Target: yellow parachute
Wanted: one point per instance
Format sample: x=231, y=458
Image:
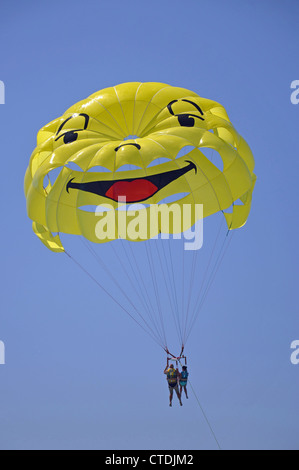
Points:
x=132, y=144
x=142, y=162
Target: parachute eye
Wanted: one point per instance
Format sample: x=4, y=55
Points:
x=186, y=120
x=70, y=137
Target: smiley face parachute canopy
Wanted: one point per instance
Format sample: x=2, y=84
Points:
x=132, y=144
x=136, y=124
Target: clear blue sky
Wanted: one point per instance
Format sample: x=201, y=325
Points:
x=79, y=373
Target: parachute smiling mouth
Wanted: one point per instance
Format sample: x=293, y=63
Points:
x=133, y=189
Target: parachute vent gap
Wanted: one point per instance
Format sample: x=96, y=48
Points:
x=98, y=169
x=173, y=198
x=132, y=207
x=159, y=161
x=213, y=156
x=230, y=209
x=238, y=202
x=128, y=167
x=73, y=166
x=131, y=137
x=185, y=151
x=46, y=181
x=51, y=177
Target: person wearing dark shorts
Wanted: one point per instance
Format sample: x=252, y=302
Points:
x=172, y=379
x=183, y=379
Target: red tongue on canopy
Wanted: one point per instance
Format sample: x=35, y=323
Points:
x=133, y=191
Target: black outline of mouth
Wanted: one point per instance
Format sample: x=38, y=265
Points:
x=160, y=181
